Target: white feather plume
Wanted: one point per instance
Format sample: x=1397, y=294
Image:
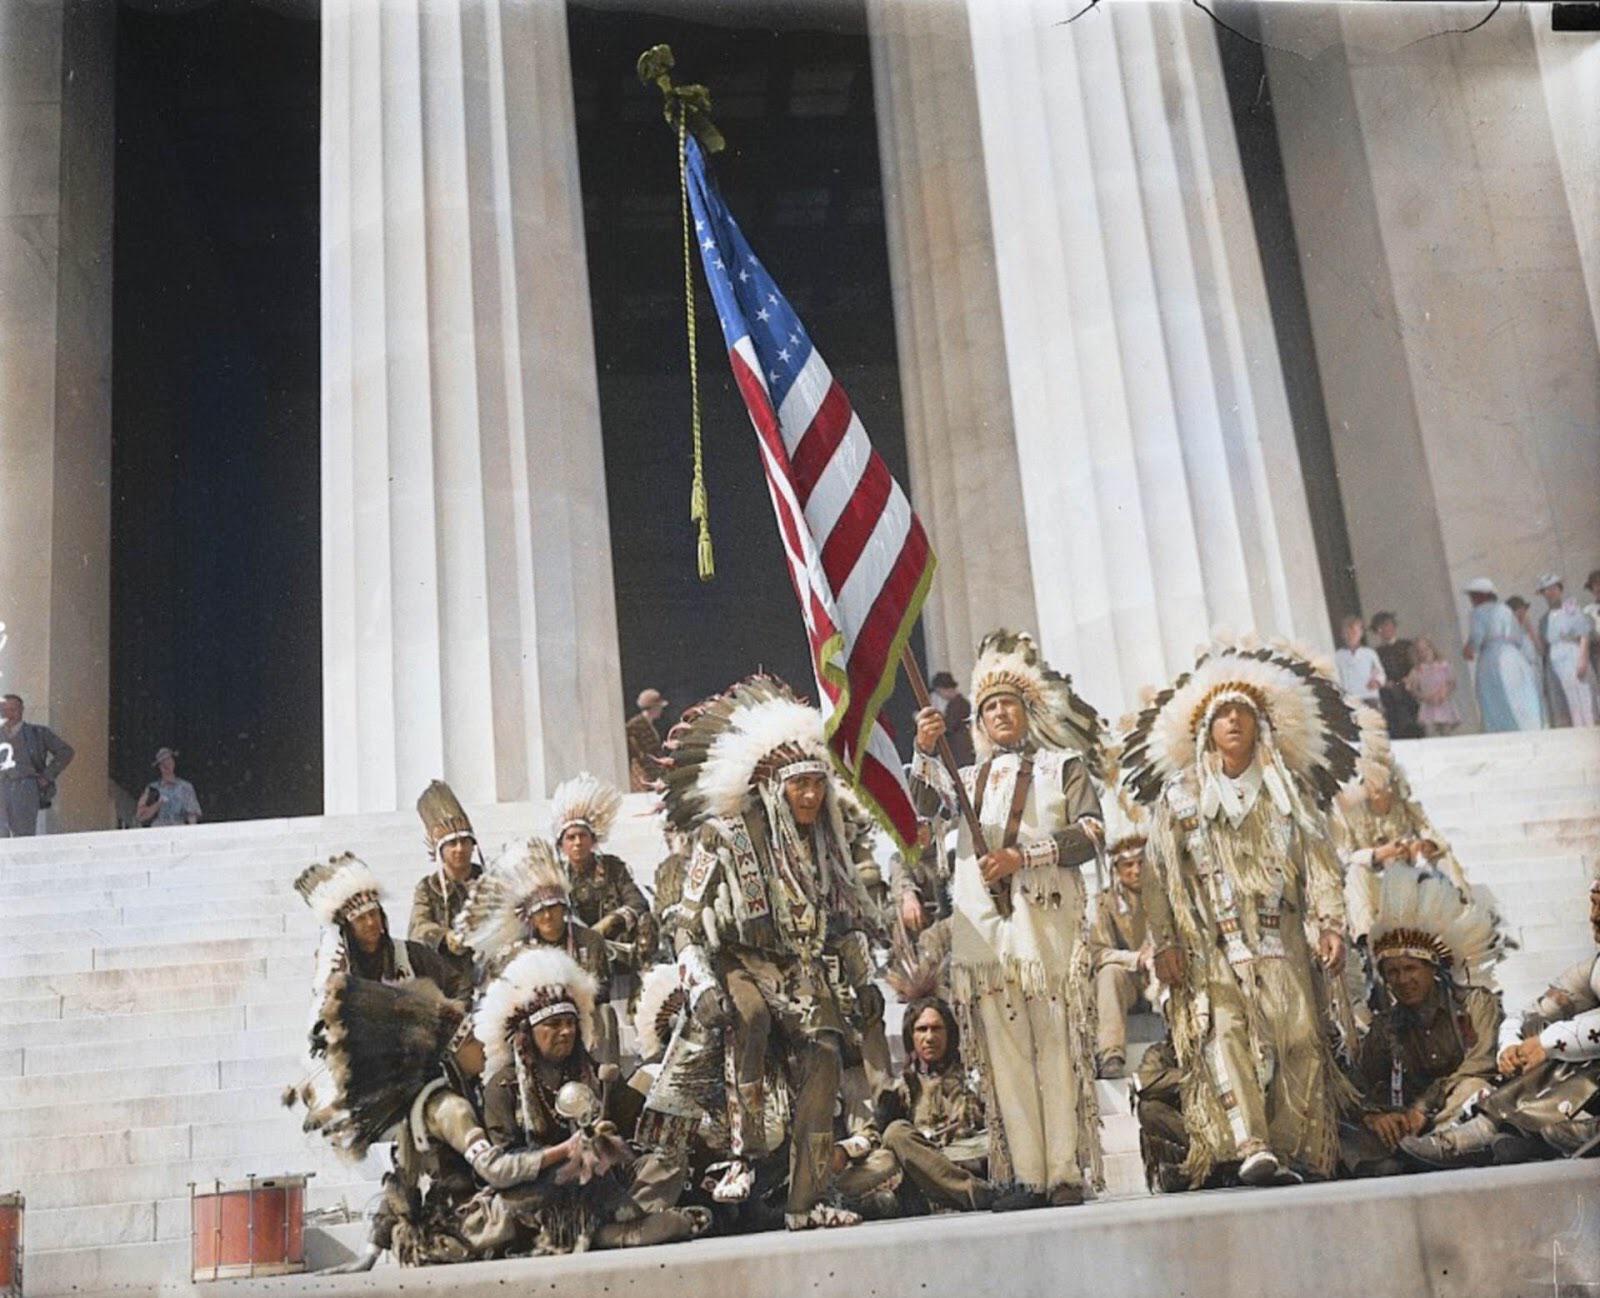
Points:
x=753, y=732
x=1423, y=908
x=538, y=975
x=493, y=918
x=329, y=886
x=661, y=996
x=584, y=799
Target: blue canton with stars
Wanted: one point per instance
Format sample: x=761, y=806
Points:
x=748, y=302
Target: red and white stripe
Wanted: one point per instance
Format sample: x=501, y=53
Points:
x=858, y=559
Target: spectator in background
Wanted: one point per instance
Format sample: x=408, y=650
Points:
x=1566, y=632
x=168, y=800
x=31, y=761
x=957, y=713
x=1399, y=707
x=1432, y=683
x=644, y=739
x=1592, y=611
x=1361, y=674
x=1500, y=651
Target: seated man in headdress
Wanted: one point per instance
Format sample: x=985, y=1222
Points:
x=344, y=895
x=406, y=1067
x=1431, y=1047
x=1119, y=941
x=1551, y=1107
x=603, y=892
x=771, y=935
x=1377, y=822
x=547, y=1099
x=932, y=1117
x=442, y=892
x=521, y=903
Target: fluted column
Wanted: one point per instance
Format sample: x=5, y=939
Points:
x=57, y=68
x=469, y=624
x=1152, y=452
x=1133, y=295
x=960, y=437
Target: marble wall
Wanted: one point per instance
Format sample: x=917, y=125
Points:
x=1444, y=201
x=56, y=63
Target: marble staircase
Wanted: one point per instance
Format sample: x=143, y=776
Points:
x=153, y=993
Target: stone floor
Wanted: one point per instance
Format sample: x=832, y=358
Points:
x=1510, y=1232
x=153, y=993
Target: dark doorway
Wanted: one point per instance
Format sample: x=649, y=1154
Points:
x=215, y=580
x=801, y=176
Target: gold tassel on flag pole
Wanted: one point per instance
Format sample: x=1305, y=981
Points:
x=688, y=108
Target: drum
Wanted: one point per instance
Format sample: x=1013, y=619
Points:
x=11, y=1245
x=248, y=1228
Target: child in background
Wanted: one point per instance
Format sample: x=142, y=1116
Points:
x=1432, y=683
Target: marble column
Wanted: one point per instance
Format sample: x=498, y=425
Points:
x=469, y=622
x=966, y=480
x=56, y=69
x=1160, y=486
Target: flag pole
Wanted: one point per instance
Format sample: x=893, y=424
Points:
x=980, y=847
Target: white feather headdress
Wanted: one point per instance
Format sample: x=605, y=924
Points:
x=1375, y=766
x=661, y=998
x=339, y=888
x=1127, y=823
x=1421, y=914
x=523, y=879
x=1010, y=663
x=757, y=732
x=1302, y=713
x=540, y=983
x=584, y=800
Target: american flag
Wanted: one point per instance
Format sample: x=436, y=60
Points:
x=858, y=557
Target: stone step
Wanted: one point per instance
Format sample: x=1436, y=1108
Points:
x=162, y=1265
x=30, y=1009
x=193, y=868
x=145, y=1221
x=112, y=982
x=85, y=1116
x=265, y=1128
x=118, y=958
x=158, y=1025
x=136, y=1083
x=98, y=1000
x=171, y=1180
x=1571, y=932
x=45, y=1061
x=173, y=933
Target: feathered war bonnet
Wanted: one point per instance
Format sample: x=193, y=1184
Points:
x=735, y=757
x=540, y=984
x=661, y=998
x=385, y=1042
x=1127, y=823
x=1421, y=914
x=1009, y=663
x=339, y=889
x=1306, y=731
x=752, y=738
x=525, y=878
x=1375, y=767
x=584, y=800
x=444, y=820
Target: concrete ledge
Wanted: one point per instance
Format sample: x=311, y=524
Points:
x=1496, y=1233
